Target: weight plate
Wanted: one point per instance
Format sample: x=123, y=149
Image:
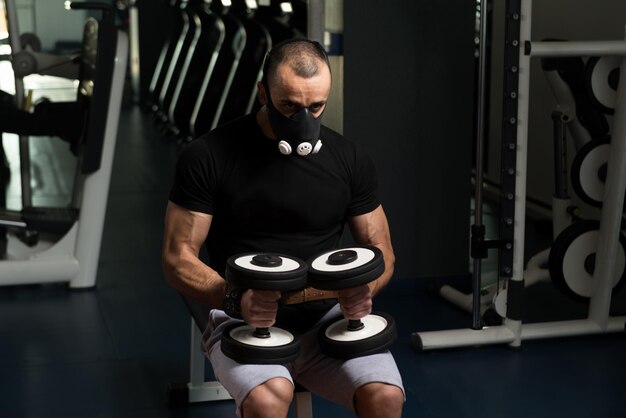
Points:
x=346, y=268
x=378, y=334
x=239, y=343
x=272, y=272
x=589, y=169
x=602, y=75
x=572, y=260
x=29, y=39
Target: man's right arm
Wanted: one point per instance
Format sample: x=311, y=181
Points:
x=185, y=233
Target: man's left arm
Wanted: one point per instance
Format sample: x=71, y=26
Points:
x=372, y=228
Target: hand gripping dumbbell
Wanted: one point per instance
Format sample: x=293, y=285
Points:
x=343, y=269
x=265, y=271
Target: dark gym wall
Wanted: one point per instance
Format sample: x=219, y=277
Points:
x=408, y=98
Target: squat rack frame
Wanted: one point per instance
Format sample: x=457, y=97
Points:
x=519, y=49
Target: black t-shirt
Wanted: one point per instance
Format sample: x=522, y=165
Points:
x=263, y=201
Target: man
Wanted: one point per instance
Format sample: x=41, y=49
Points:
x=278, y=181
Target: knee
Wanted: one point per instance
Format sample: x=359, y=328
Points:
x=274, y=395
x=379, y=397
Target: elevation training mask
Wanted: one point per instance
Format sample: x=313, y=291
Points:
x=300, y=131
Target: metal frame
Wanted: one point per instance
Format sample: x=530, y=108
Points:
x=598, y=321
x=74, y=257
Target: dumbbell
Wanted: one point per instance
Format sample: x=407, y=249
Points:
x=264, y=271
x=343, y=269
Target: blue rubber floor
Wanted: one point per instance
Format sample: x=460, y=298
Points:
x=111, y=351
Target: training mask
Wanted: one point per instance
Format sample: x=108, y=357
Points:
x=300, y=131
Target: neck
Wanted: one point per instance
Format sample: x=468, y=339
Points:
x=263, y=121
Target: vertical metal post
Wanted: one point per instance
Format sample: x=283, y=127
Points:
x=516, y=282
x=611, y=216
x=478, y=202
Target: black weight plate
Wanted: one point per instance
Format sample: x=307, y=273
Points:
x=29, y=39
x=570, y=261
x=373, y=344
x=325, y=274
x=252, y=354
x=242, y=272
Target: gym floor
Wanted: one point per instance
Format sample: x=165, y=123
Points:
x=111, y=351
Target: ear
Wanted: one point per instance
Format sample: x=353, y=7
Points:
x=262, y=93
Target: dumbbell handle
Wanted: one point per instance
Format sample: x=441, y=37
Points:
x=262, y=333
x=355, y=325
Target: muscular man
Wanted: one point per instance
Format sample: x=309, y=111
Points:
x=278, y=181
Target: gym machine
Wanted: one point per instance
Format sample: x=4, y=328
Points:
x=67, y=244
x=578, y=91
x=216, y=83
x=200, y=63
x=184, y=47
x=240, y=101
x=165, y=57
x=594, y=254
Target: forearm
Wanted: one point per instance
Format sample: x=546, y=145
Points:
x=184, y=235
x=372, y=229
x=388, y=255
x=194, y=279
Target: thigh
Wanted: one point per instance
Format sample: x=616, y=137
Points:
x=338, y=380
x=238, y=379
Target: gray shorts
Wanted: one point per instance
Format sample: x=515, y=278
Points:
x=332, y=379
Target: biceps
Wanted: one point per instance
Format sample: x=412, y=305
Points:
x=185, y=230
x=371, y=228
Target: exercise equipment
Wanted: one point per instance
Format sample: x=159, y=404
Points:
x=263, y=271
x=240, y=101
x=572, y=260
x=184, y=48
x=589, y=170
x=165, y=57
x=518, y=51
x=574, y=112
x=603, y=79
x=217, y=83
x=200, y=63
x=343, y=269
x=71, y=253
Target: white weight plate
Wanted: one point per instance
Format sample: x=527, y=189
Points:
x=373, y=325
x=499, y=303
x=600, y=86
x=364, y=256
x=591, y=184
x=288, y=264
x=245, y=334
x=576, y=277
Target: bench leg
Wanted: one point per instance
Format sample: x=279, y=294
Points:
x=304, y=405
